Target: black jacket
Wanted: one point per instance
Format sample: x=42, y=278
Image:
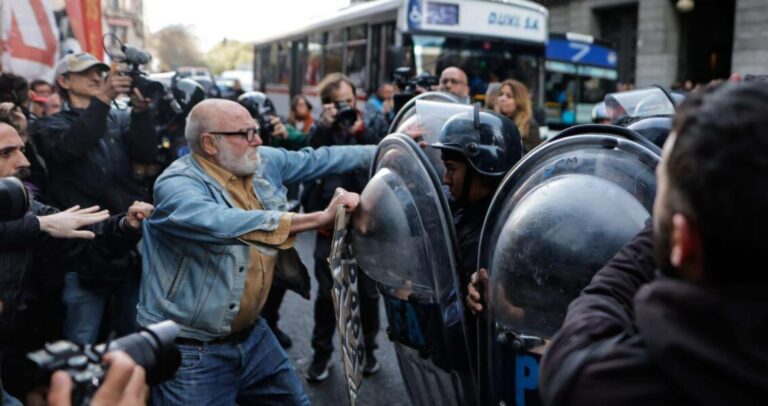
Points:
x=22, y=243
x=468, y=222
x=319, y=193
x=89, y=154
x=632, y=338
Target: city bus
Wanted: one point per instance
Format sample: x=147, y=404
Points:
x=490, y=41
x=580, y=71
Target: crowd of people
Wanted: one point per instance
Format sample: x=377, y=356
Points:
x=208, y=239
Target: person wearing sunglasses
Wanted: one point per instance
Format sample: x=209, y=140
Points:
x=221, y=225
x=454, y=81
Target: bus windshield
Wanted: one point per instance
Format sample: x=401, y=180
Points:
x=483, y=61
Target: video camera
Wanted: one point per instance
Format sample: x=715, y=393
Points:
x=153, y=348
x=409, y=87
x=135, y=57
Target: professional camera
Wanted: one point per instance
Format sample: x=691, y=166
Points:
x=153, y=348
x=345, y=115
x=409, y=87
x=136, y=57
x=14, y=200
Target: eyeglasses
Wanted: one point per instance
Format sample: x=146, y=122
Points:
x=249, y=134
x=451, y=80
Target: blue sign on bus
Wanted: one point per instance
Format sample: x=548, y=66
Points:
x=561, y=49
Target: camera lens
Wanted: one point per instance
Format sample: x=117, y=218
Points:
x=153, y=348
x=345, y=115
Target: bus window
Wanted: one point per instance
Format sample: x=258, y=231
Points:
x=271, y=71
x=284, y=63
x=356, y=60
x=334, y=53
x=314, y=62
x=483, y=61
x=560, y=93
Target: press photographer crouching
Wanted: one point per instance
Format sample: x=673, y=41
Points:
x=30, y=231
x=90, y=147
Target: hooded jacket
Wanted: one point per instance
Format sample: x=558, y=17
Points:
x=635, y=339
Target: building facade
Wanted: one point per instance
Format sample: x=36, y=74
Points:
x=125, y=19
x=664, y=42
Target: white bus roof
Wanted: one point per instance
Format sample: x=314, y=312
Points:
x=394, y=9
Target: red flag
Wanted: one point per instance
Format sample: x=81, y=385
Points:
x=85, y=19
x=30, y=38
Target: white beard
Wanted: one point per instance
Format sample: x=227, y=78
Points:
x=246, y=165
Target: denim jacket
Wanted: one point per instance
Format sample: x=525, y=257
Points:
x=194, y=268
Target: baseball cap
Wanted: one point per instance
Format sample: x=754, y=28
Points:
x=76, y=63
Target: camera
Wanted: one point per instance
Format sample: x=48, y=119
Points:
x=14, y=200
x=153, y=348
x=136, y=57
x=409, y=87
x=345, y=115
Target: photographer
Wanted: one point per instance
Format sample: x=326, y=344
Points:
x=89, y=147
x=14, y=92
x=45, y=238
x=340, y=124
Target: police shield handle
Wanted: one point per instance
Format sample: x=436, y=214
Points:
x=346, y=305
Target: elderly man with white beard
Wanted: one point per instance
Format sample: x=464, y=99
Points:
x=210, y=249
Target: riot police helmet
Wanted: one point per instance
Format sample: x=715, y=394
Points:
x=257, y=103
x=489, y=142
x=187, y=93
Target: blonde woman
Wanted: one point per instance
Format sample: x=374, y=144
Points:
x=514, y=102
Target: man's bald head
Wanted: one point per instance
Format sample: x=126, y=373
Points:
x=453, y=80
x=213, y=115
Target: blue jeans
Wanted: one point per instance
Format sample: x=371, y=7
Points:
x=85, y=308
x=9, y=400
x=255, y=371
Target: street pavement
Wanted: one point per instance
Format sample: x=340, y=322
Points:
x=296, y=319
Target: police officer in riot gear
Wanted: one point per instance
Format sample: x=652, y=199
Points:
x=478, y=149
x=185, y=93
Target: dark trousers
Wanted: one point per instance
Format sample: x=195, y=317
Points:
x=325, y=319
x=270, y=312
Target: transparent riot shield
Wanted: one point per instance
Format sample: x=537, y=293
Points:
x=555, y=220
x=403, y=237
x=408, y=109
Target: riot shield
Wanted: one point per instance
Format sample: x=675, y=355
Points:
x=555, y=220
x=403, y=237
x=409, y=109
x=631, y=105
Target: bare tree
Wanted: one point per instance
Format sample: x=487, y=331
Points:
x=175, y=46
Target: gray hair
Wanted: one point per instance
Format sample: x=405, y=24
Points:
x=194, y=129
